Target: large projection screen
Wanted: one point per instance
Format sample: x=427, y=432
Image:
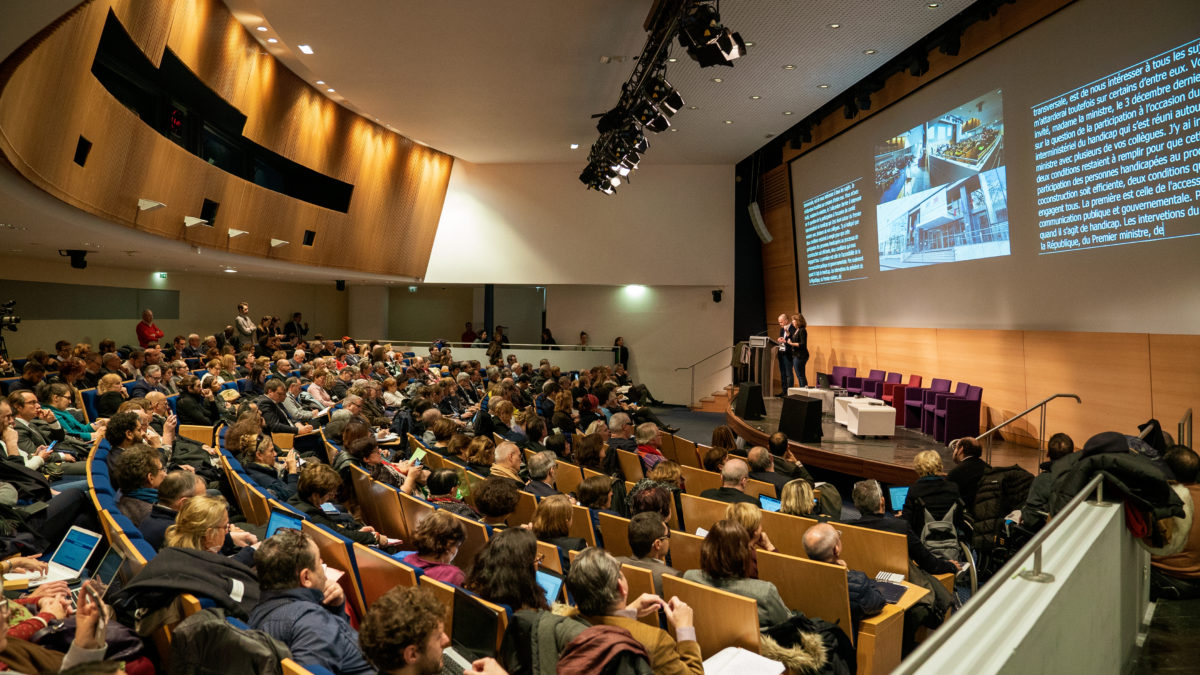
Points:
x=1052, y=183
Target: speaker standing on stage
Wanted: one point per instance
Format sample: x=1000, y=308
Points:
x=785, y=353
x=799, y=344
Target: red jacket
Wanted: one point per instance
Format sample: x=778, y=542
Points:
x=148, y=333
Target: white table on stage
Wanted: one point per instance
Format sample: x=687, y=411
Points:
x=841, y=407
x=870, y=417
x=826, y=396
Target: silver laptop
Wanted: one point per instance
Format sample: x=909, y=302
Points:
x=69, y=558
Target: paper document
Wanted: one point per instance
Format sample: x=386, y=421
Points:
x=738, y=661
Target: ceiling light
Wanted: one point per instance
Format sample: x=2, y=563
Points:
x=789, y=67
x=787, y=112
x=305, y=49
x=192, y=221
x=749, y=44
x=933, y=5
x=717, y=80
x=149, y=205
x=755, y=98
x=822, y=86
x=261, y=28
x=835, y=25
x=672, y=60
x=869, y=52
x=673, y=129
x=320, y=81
x=728, y=121
x=651, y=117
x=662, y=93
x=707, y=41
x=272, y=40
x=574, y=146
x=693, y=107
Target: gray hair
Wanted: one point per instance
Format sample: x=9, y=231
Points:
x=734, y=472
x=593, y=582
x=866, y=496
x=463, y=376
x=153, y=369
x=340, y=414
x=820, y=542
x=759, y=459
x=540, y=464
x=506, y=448
x=617, y=422
x=646, y=432
x=351, y=398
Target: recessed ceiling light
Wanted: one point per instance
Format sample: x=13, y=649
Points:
x=787, y=112
x=261, y=28
x=755, y=98
x=835, y=25
x=320, y=81
x=305, y=49
x=728, y=121
x=673, y=129
x=272, y=40
x=717, y=79
x=868, y=52
x=693, y=107
x=672, y=60
x=789, y=67
x=574, y=146
x=822, y=86
x=749, y=44
x=933, y=5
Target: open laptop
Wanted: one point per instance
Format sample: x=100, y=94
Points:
x=898, y=495
x=551, y=584
x=472, y=635
x=280, y=519
x=768, y=503
x=822, y=380
x=105, y=573
x=69, y=558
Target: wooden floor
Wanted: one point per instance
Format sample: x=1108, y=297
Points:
x=888, y=460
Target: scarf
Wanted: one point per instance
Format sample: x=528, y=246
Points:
x=144, y=494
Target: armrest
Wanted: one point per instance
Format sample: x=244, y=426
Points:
x=961, y=405
x=941, y=399
x=853, y=381
x=914, y=396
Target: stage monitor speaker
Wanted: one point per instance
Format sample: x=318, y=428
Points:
x=801, y=419
x=749, y=402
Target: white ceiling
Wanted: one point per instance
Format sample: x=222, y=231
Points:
x=500, y=82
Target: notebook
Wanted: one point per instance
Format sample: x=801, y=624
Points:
x=551, y=584
x=68, y=560
x=898, y=495
x=280, y=519
x=768, y=503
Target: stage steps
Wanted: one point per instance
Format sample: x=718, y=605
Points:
x=717, y=402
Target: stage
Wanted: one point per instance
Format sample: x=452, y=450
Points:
x=888, y=460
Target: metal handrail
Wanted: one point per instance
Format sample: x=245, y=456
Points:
x=987, y=435
x=692, y=368
x=1006, y=574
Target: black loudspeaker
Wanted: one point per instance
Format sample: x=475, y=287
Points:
x=341, y=284
x=749, y=402
x=801, y=419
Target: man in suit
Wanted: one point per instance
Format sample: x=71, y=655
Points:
x=275, y=417
x=762, y=467
x=650, y=540
x=734, y=475
x=971, y=467
x=151, y=381
x=601, y=595
x=36, y=429
x=543, y=469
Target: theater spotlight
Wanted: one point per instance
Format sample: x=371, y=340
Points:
x=78, y=257
x=707, y=41
x=662, y=93
x=649, y=116
x=612, y=120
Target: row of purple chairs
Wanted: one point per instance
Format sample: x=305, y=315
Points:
x=935, y=410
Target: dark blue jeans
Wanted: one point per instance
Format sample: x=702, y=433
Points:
x=785, y=370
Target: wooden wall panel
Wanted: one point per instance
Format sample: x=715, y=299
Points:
x=909, y=351
x=1109, y=371
x=820, y=352
x=1175, y=378
x=854, y=346
x=399, y=187
x=992, y=359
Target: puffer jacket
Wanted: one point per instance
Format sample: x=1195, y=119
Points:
x=315, y=634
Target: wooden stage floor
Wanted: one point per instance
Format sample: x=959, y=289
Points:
x=888, y=460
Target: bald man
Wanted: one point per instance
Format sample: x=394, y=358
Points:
x=823, y=543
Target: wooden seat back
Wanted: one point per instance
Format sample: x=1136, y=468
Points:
x=477, y=538
x=737, y=625
x=335, y=552
x=414, y=510
x=551, y=559
x=581, y=525
x=685, y=551
x=640, y=580
x=696, y=480
x=687, y=453
x=699, y=512
x=874, y=551
x=666, y=445
x=379, y=573
x=196, y=432
x=631, y=464
x=614, y=530
x=567, y=477
x=787, y=531
x=757, y=488
x=818, y=589
x=526, y=505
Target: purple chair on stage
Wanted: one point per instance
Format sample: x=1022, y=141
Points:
x=957, y=417
x=840, y=374
x=914, y=399
x=931, y=404
x=893, y=395
x=858, y=385
x=874, y=388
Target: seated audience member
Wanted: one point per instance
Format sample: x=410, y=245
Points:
x=443, y=431
x=798, y=499
x=84, y=649
x=823, y=543
x=1177, y=576
x=296, y=407
x=868, y=499
x=456, y=449
x=733, y=484
x=507, y=464
x=650, y=495
x=590, y=453
x=481, y=454
x=648, y=444
x=316, y=489
x=110, y=394
x=151, y=380
x=496, y=499
x=1037, y=504
x=596, y=493
x=404, y=633
x=122, y=431
x=36, y=430
x=714, y=459
x=560, y=445
x=762, y=468
x=786, y=462
x=300, y=608
x=138, y=473
x=258, y=459
x=723, y=437
x=750, y=517
x=543, y=470
x=552, y=524
x=202, y=524
x=32, y=373
x=59, y=399
x=275, y=417
x=968, y=454
x=173, y=492
x=535, y=434
x=443, y=490
x=601, y=596
x=932, y=495
x=437, y=539
x=366, y=455
x=620, y=433
x=650, y=542
x=724, y=559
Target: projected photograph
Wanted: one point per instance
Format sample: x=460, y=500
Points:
x=965, y=220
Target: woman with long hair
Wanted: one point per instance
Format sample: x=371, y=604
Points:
x=724, y=562
x=799, y=345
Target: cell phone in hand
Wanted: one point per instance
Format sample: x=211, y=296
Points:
x=50, y=448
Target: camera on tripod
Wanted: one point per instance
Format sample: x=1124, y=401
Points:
x=8, y=321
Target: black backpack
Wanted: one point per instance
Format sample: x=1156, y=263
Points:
x=201, y=645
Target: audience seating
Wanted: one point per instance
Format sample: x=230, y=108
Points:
x=414, y=510
x=737, y=625
x=666, y=445
x=640, y=580
x=196, y=432
x=526, y=505
x=685, y=550
x=696, y=481
x=631, y=464
x=615, y=532
x=567, y=477
x=957, y=417
x=581, y=525
x=89, y=404
x=930, y=404
x=379, y=573
x=914, y=399
x=687, y=453
x=551, y=556
x=699, y=512
x=335, y=552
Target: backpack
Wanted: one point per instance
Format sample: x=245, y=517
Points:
x=940, y=536
x=202, y=643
